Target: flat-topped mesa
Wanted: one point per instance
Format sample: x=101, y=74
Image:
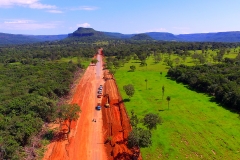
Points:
x=86, y=32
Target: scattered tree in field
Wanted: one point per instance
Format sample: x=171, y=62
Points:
x=139, y=137
x=168, y=99
x=94, y=61
x=69, y=112
x=169, y=62
x=133, y=138
x=146, y=82
x=143, y=63
x=145, y=137
x=163, y=90
x=129, y=89
x=151, y=120
x=132, y=68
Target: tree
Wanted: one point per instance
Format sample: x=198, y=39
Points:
x=134, y=119
x=94, y=61
x=163, y=90
x=151, y=120
x=129, y=89
x=168, y=99
x=177, y=60
x=132, y=68
x=109, y=65
x=139, y=137
x=116, y=63
x=157, y=57
x=146, y=82
x=133, y=138
x=145, y=138
x=69, y=112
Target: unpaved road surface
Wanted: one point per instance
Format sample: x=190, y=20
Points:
x=86, y=138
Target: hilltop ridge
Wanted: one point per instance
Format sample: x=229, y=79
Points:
x=91, y=34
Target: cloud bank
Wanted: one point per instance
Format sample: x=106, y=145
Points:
x=34, y=4
x=24, y=24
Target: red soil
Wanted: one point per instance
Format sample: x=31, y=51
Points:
x=85, y=140
x=118, y=125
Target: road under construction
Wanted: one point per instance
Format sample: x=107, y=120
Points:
x=97, y=134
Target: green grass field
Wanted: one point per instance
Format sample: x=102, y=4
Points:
x=193, y=127
x=83, y=60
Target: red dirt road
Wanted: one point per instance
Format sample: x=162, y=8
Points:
x=112, y=126
x=86, y=137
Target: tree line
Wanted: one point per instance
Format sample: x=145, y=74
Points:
x=220, y=80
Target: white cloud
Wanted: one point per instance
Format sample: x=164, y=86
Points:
x=85, y=25
x=23, y=24
x=17, y=22
x=55, y=11
x=157, y=30
x=35, y=4
x=86, y=8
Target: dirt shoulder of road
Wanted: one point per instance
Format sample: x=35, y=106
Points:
x=116, y=123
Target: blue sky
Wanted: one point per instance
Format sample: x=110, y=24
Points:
x=51, y=17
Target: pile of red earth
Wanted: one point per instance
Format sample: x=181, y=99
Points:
x=116, y=123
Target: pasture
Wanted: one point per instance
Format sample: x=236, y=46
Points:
x=193, y=127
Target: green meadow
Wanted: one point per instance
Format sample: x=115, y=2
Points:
x=193, y=127
x=83, y=60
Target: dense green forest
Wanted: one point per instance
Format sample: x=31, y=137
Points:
x=33, y=78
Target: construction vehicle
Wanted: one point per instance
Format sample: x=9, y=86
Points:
x=107, y=104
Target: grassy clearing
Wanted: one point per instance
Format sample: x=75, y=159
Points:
x=83, y=60
x=193, y=127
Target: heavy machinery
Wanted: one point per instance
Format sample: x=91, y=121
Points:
x=107, y=104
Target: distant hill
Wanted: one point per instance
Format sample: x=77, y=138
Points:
x=9, y=39
x=163, y=36
x=86, y=32
x=118, y=35
x=89, y=34
x=211, y=37
x=141, y=37
x=50, y=37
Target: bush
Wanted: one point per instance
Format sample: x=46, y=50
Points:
x=129, y=89
x=151, y=120
x=139, y=137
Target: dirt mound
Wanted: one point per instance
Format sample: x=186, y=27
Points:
x=116, y=122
